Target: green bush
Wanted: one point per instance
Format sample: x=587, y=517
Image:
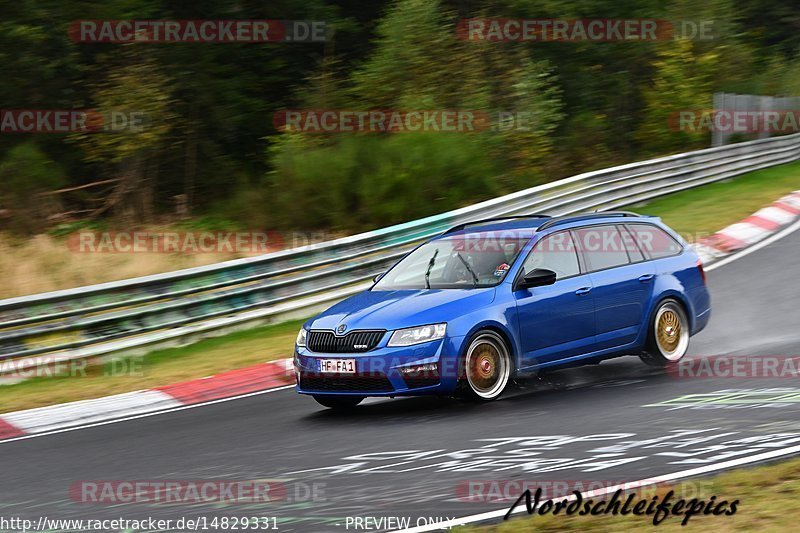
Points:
x=25, y=172
x=363, y=181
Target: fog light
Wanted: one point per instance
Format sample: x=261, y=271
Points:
x=420, y=375
x=419, y=369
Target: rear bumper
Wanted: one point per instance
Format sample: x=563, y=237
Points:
x=701, y=321
x=384, y=371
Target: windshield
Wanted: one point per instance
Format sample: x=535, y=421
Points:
x=457, y=262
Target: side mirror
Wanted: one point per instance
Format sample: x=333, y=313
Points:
x=378, y=277
x=537, y=277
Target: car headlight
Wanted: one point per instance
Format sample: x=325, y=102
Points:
x=301, y=338
x=409, y=336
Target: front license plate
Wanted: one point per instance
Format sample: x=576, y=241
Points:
x=338, y=366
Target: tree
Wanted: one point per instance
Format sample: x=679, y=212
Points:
x=681, y=83
x=134, y=105
x=26, y=172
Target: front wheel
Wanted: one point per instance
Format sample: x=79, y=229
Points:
x=668, y=335
x=487, y=367
x=340, y=403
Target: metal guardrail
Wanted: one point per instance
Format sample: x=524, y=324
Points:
x=179, y=307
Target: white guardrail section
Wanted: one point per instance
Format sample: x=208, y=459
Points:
x=135, y=315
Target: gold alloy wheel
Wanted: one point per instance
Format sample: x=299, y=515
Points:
x=671, y=333
x=669, y=329
x=487, y=366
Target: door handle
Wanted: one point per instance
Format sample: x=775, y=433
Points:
x=646, y=278
x=583, y=290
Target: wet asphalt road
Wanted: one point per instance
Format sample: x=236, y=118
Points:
x=418, y=458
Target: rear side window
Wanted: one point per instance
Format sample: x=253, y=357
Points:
x=602, y=247
x=654, y=241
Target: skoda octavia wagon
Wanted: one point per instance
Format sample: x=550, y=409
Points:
x=495, y=300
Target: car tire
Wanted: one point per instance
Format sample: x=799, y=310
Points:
x=339, y=403
x=667, y=334
x=486, y=367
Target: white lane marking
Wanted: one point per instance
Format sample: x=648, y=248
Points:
x=490, y=515
x=145, y=415
x=766, y=242
x=59, y=416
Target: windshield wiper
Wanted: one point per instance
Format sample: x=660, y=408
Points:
x=469, y=269
x=430, y=267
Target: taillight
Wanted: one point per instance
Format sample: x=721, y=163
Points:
x=702, y=270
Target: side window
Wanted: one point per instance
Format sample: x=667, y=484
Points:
x=634, y=253
x=555, y=252
x=654, y=241
x=601, y=247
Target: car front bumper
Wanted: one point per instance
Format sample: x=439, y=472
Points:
x=384, y=371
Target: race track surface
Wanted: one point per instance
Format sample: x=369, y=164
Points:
x=414, y=458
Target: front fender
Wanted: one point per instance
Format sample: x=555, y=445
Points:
x=501, y=317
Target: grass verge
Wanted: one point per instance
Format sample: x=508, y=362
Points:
x=694, y=211
x=768, y=501
x=709, y=208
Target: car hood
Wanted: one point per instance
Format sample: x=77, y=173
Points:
x=402, y=308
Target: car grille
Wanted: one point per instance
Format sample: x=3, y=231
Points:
x=354, y=342
x=357, y=382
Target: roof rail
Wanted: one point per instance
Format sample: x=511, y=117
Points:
x=585, y=216
x=510, y=217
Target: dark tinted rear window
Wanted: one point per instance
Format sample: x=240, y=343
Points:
x=655, y=242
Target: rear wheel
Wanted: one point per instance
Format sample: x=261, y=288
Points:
x=668, y=335
x=487, y=367
x=340, y=403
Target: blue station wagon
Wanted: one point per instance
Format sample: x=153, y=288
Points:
x=491, y=301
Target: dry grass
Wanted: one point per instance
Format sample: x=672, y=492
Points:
x=44, y=263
